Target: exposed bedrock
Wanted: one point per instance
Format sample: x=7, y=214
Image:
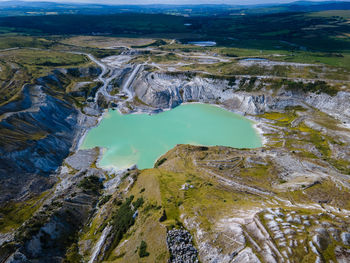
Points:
x=46, y=236
x=337, y=106
x=165, y=90
x=37, y=132
x=179, y=242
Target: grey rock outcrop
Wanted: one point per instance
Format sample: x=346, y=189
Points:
x=36, y=140
x=345, y=237
x=179, y=242
x=46, y=236
x=168, y=90
x=38, y=132
x=17, y=257
x=337, y=106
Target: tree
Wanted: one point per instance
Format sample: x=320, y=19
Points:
x=142, y=251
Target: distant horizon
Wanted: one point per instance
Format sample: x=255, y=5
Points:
x=177, y=2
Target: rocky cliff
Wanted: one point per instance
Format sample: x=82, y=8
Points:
x=38, y=131
x=167, y=90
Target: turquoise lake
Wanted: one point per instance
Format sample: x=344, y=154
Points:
x=141, y=138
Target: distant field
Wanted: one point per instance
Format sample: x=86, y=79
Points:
x=340, y=60
x=330, y=13
x=322, y=31
x=7, y=41
x=30, y=58
x=106, y=42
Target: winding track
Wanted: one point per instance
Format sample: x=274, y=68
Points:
x=106, y=80
x=130, y=80
x=108, y=74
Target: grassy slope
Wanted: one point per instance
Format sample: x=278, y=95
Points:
x=147, y=226
x=14, y=214
x=295, y=138
x=208, y=200
x=21, y=66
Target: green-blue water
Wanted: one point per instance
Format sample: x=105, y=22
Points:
x=141, y=138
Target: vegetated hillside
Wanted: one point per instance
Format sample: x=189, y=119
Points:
x=104, y=24
x=314, y=32
x=23, y=8
x=39, y=115
x=298, y=6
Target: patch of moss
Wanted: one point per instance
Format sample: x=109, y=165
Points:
x=143, y=249
x=72, y=255
x=91, y=183
x=160, y=162
x=14, y=214
x=104, y=199
x=121, y=222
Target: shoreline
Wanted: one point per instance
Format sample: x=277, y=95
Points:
x=260, y=133
x=114, y=169
x=86, y=130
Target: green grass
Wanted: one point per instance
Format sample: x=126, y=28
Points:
x=341, y=60
x=26, y=65
x=169, y=186
x=91, y=183
x=45, y=58
x=332, y=13
x=72, y=255
x=208, y=200
x=332, y=66
x=167, y=58
x=281, y=118
x=144, y=196
x=334, y=59
x=24, y=41
x=295, y=137
x=14, y=214
x=276, y=33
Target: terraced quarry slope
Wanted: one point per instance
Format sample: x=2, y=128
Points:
x=269, y=204
x=285, y=202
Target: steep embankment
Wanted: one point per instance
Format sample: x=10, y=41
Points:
x=167, y=90
x=46, y=236
x=38, y=131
